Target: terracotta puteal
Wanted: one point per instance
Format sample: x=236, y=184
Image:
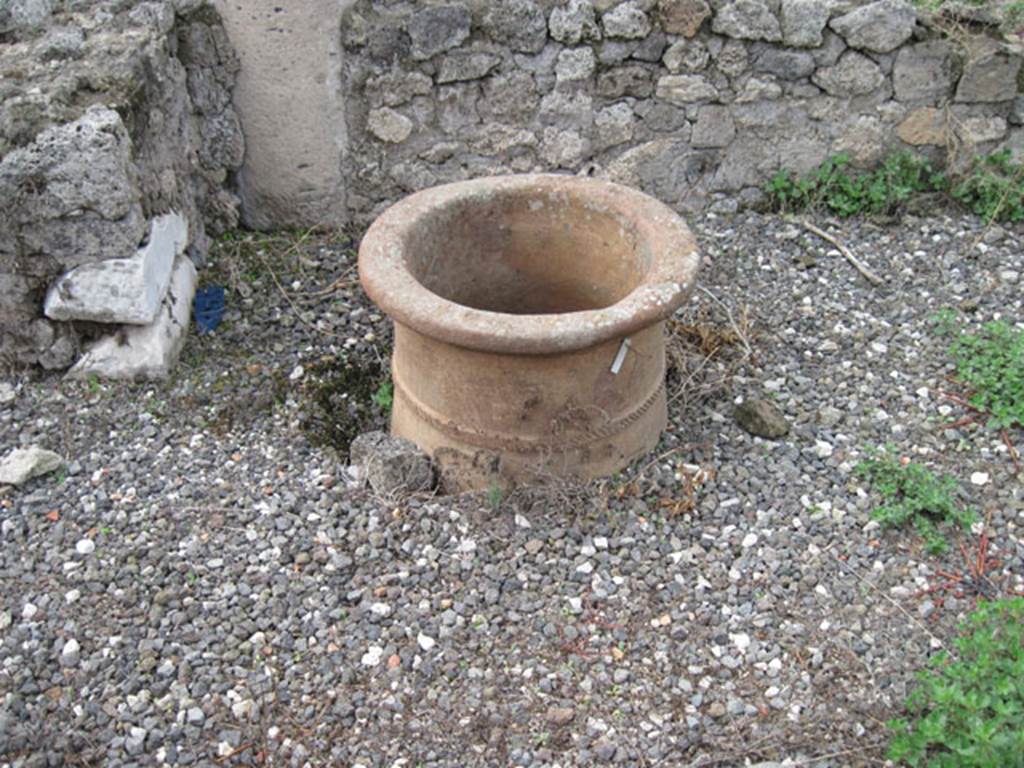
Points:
x=529, y=316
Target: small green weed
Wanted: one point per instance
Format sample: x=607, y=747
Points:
x=495, y=495
x=994, y=189
x=990, y=361
x=384, y=397
x=970, y=711
x=833, y=187
x=913, y=494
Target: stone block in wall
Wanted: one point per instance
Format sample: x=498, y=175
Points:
x=396, y=87
x=651, y=47
x=682, y=17
x=659, y=117
x=685, y=89
x=747, y=20
x=924, y=73
x=438, y=28
x=980, y=129
x=73, y=191
x=714, y=127
x=686, y=56
x=388, y=125
x=122, y=290
x=1015, y=144
x=668, y=169
x=613, y=126
x=563, y=109
x=574, y=65
x=803, y=21
x=519, y=24
x=865, y=139
x=457, y=107
x=563, y=148
x=732, y=59
x=990, y=72
x=853, y=75
x=1017, y=111
x=574, y=23
x=461, y=66
x=627, y=21
x=636, y=81
x=879, y=27
x=758, y=88
x=24, y=16
x=785, y=64
x=926, y=126
x=510, y=97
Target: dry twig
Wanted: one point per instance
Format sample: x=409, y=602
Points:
x=860, y=266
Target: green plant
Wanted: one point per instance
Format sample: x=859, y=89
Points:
x=969, y=710
x=994, y=188
x=384, y=397
x=991, y=362
x=913, y=494
x=495, y=494
x=833, y=187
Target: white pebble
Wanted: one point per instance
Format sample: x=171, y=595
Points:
x=85, y=547
x=372, y=656
x=29, y=611
x=426, y=642
x=749, y=540
x=741, y=640
x=822, y=449
x=979, y=478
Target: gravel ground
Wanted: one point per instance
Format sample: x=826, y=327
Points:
x=203, y=586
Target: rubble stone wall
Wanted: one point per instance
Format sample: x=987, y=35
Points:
x=698, y=102
x=113, y=113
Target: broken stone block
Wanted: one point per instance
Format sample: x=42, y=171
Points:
x=146, y=351
x=122, y=290
x=393, y=466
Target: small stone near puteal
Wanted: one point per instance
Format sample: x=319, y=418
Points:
x=761, y=418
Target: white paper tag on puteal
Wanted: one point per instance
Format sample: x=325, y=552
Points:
x=620, y=358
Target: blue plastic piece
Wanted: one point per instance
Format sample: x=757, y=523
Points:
x=208, y=308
